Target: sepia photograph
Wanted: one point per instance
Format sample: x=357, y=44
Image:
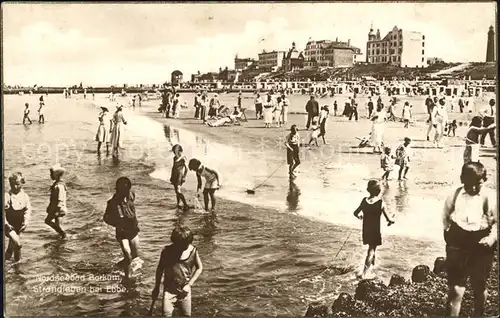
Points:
x=250, y=159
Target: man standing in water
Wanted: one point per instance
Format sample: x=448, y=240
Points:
x=488, y=119
x=292, y=144
x=431, y=104
x=312, y=109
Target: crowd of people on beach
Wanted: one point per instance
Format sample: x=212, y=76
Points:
x=469, y=216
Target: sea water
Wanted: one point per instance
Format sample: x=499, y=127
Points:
x=268, y=254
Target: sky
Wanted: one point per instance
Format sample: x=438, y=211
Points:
x=113, y=44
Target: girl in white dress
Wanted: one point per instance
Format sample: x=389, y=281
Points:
x=378, y=120
x=117, y=130
x=440, y=117
x=268, y=111
x=102, y=134
x=406, y=114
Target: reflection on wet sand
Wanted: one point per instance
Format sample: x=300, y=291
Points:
x=292, y=198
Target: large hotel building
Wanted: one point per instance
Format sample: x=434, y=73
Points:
x=399, y=47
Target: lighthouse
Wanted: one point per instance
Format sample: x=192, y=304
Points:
x=490, y=48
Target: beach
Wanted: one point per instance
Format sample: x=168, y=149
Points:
x=269, y=253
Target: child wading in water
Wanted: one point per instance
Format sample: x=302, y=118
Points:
x=179, y=173
x=471, y=152
x=292, y=150
x=181, y=265
x=120, y=213
x=470, y=231
x=323, y=117
x=17, y=215
x=386, y=163
x=403, y=158
x=26, y=116
x=212, y=181
x=315, y=131
x=57, y=204
x=372, y=208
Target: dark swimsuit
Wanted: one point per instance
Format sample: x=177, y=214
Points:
x=371, y=222
x=177, y=175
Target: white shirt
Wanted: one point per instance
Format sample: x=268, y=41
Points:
x=469, y=211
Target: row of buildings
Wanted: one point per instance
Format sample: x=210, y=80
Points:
x=399, y=47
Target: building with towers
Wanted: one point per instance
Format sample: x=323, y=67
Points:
x=398, y=47
x=490, y=46
x=293, y=59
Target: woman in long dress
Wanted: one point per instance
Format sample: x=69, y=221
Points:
x=268, y=111
x=378, y=120
x=117, y=130
x=440, y=117
x=102, y=134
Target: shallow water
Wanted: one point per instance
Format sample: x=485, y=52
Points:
x=268, y=254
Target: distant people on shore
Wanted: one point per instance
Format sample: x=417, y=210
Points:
x=371, y=209
x=17, y=215
x=470, y=219
x=57, y=208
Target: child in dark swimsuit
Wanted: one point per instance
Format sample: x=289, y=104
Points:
x=120, y=213
x=372, y=208
x=179, y=173
x=17, y=215
x=181, y=265
x=57, y=204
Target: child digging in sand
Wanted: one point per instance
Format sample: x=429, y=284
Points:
x=212, y=182
x=372, y=208
x=181, y=265
x=57, y=204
